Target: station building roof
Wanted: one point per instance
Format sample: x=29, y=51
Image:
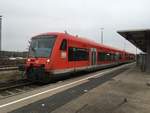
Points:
x=137, y=37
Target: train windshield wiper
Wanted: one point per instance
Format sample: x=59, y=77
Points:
x=33, y=52
x=33, y=49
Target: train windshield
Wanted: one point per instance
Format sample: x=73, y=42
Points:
x=41, y=46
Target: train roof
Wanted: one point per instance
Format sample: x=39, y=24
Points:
x=83, y=40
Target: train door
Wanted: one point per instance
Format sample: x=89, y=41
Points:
x=63, y=54
x=93, y=56
x=71, y=55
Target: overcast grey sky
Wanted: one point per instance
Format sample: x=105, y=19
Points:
x=23, y=19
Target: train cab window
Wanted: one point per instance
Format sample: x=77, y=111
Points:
x=63, y=46
x=42, y=46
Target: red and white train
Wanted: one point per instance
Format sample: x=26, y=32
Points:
x=56, y=54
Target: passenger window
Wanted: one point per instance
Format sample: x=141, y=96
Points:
x=63, y=45
x=101, y=56
x=78, y=54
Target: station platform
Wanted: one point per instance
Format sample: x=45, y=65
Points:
x=128, y=92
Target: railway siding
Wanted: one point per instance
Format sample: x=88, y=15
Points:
x=11, y=63
x=10, y=75
x=8, y=68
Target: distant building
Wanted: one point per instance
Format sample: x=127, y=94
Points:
x=141, y=39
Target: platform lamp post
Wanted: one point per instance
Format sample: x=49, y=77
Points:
x=136, y=50
x=102, y=29
x=124, y=48
x=136, y=57
x=0, y=32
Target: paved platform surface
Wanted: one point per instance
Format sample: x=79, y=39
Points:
x=128, y=92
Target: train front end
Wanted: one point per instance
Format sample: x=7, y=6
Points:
x=38, y=64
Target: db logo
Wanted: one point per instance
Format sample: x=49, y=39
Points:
x=63, y=54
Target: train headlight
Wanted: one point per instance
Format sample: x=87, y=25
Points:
x=29, y=60
x=48, y=60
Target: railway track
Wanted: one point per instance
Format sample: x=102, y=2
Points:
x=2, y=66
x=8, y=68
x=13, y=84
x=15, y=87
